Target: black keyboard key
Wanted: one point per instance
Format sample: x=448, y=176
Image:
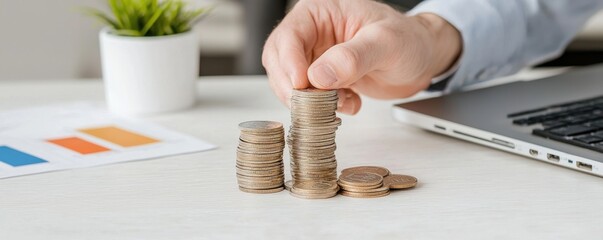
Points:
x=598, y=134
x=598, y=123
x=589, y=139
x=579, y=123
x=554, y=124
x=578, y=119
x=521, y=121
x=595, y=147
x=572, y=130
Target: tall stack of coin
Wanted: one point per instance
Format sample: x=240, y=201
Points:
x=312, y=140
x=260, y=166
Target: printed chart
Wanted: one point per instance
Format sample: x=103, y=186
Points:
x=79, y=135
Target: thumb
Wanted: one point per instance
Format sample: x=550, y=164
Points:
x=345, y=63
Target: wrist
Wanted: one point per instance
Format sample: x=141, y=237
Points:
x=446, y=42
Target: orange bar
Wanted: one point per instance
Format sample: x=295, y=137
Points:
x=119, y=136
x=79, y=145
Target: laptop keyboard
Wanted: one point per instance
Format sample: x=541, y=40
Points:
x=578, y=123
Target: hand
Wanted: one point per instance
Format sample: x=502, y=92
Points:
x=355, y=46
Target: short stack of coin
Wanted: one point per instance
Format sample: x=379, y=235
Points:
x=260, y=166
x=311, y=139
x=372, y=182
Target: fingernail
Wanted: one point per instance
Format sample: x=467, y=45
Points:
x=325, y=76
x=294, y=81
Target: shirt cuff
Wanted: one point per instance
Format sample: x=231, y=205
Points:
x=455, y=13
x=448, y=72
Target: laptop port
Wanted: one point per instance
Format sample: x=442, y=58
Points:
x=534, y=152
x=584, y=166
x=552, y=157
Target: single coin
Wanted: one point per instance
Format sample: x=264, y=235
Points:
x=383, y=172
x=314, y=92
x=314, y=196
x=397, y=181
x=361, y=179
x=364, y=190
x=259, y=173
x=260, y=126
x=314, y=186
x=363, y=195
x=259, y=157
x=278, y=145
x=260, y=165
x=262, y=186
x=261, y=191
x=272, y=166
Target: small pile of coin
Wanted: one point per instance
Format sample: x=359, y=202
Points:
x=311, y=142
x=260, y=167
x=372, y=182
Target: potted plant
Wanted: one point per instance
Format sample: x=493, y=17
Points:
x=149, y=55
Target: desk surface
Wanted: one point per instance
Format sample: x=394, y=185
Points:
x=466, y=191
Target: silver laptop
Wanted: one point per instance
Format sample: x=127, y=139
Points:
x=558, y=120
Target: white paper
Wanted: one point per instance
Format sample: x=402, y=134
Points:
x=29, y=131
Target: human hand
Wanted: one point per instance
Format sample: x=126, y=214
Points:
x=363, y=47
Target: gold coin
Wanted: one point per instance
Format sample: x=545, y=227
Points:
x=259, y=157
x=364, y=190
x=261, y=191
x=314, y=92
x=359, y=188
x=363, y=195
x=260, y=126
x=361, y=179
x=313, y=186
x=383, y=172
x=259, y=186
x=314, y=196
x=259, y=173
x=397, y=181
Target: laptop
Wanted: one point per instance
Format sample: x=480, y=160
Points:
x=557, y=120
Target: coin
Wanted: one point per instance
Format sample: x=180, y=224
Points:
x=313, y=187
x=383, y=172
x=261, y=191
x=363, y=195
x=314, y=196
x=260, y=126
x=361, y=179
x=397, y=181
x=259, y=161
x=311, y=138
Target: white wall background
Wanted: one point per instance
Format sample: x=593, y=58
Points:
x=50, y=39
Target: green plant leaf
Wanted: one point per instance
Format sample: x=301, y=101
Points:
x=102, y=17
x=155, y=16
x=149, y=17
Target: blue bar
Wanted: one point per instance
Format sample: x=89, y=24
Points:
x=17, y=158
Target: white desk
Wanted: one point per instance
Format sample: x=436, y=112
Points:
x=466, y=191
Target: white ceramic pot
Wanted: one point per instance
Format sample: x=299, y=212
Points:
x=149, y=75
